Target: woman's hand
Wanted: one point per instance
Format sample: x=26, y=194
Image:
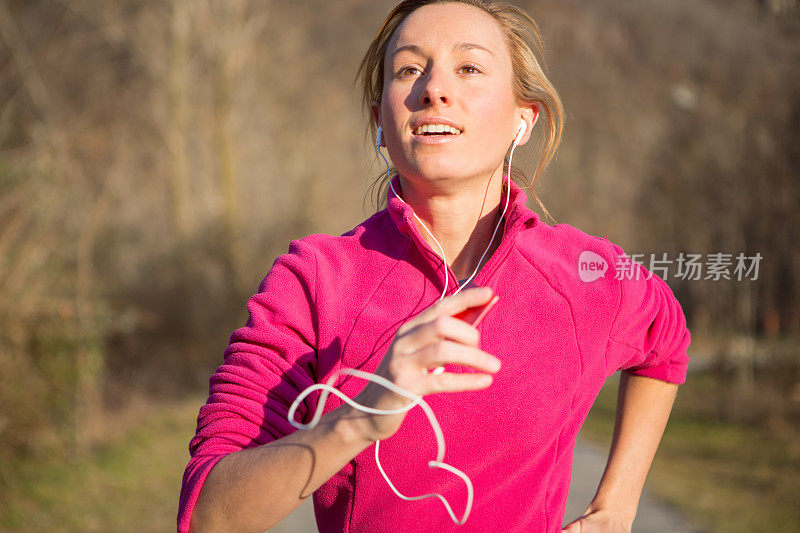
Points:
x=430, y=339
x=600, y=520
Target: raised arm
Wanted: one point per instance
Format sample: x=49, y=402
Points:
x=255, y=488
x=249, y=467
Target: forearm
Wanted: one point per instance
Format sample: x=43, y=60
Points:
x=643, y=408
x=255, y=488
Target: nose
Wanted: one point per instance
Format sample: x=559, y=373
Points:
x=435, y=90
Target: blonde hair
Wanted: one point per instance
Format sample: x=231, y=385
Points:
x=530, y=85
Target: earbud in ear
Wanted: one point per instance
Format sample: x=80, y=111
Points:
x=523, y=126
x=378, y=137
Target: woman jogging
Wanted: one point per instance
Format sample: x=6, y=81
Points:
x=452, y=88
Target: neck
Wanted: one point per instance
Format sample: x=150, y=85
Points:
x=462, y=216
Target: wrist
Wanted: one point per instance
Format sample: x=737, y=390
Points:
x=625, y=512
x=349, y=425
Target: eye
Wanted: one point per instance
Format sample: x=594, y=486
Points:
x=404, y=70
x=475, y=69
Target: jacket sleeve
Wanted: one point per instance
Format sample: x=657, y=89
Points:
x=649, y=336
x=267, y=363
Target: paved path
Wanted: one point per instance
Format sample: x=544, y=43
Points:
x=588, y=465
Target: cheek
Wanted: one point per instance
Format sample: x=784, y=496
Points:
x=491, y=114
x=394, y=106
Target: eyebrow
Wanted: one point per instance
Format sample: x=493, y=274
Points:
x=458, y=47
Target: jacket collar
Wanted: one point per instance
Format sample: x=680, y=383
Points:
x=518, y=217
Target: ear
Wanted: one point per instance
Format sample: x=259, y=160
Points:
x=376, y=115
x=530, y=115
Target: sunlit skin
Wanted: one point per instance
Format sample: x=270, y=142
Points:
x=454, y=187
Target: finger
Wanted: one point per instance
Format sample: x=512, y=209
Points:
x=456, y=303
x=448, y=352
x=453, y=382
x=441, y=328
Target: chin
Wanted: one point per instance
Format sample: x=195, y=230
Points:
x=442, y=169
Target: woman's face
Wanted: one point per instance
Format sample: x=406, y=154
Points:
x=448, y=64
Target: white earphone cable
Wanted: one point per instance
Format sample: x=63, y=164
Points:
x=416, y=399
x=499, y=221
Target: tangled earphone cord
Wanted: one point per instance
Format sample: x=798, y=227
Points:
x=416, y=399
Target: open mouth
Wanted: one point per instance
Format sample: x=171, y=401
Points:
x=436, y=130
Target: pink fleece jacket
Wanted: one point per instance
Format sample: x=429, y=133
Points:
x=334, y=302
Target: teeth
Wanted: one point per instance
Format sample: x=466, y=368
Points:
x=436, y=128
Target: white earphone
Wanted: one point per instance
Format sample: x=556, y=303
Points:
x=417, y=400
x=523, y=127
